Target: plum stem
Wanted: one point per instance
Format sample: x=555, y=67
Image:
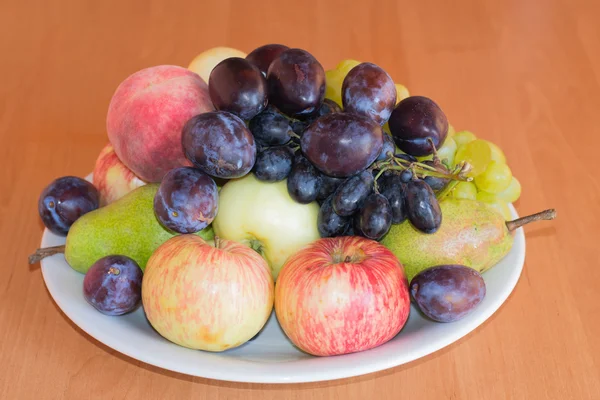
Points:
x=45, y=252
x=542, y=215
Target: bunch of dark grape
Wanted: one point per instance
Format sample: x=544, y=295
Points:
x=273, y=120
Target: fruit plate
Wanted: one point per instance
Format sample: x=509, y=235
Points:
x=271, y=357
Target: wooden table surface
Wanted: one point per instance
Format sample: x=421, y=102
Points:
x=522, y=73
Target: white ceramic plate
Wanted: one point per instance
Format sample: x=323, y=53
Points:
x=270, y=358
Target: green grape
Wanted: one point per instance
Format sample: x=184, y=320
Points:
x=386, y=129
x=334, y=78
x=465, y=190
x=451, y=131
x=512, y=192
x=345, y=66
x=463, y=137
x=497, y=204
x=495, y=178
x=477, y=153
x=333, y=86
x=401, y=93
x=446, y=152
x=497, y=153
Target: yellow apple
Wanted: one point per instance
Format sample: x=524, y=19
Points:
x=263, y=216
x=204, y=62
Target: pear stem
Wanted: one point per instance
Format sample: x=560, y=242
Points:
x=543, y=215
x=45, y=252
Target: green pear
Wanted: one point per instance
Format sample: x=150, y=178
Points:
x=126, y=227
x=472, y=234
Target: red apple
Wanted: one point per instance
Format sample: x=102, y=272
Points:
x=341, y=295
x=112, y=178
x=147, y=113
x=204, y=297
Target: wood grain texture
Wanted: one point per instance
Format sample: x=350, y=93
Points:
x=522, y=73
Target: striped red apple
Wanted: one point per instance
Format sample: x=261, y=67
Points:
x=112, y=178
x=207, y=297
x=341, y=295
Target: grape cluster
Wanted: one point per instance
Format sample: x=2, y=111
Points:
x=282, y=117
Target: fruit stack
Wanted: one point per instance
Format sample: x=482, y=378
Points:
x=245, y=170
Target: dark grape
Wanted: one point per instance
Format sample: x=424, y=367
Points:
x=447, y=293
x=219, y=144
x=406, y=175
x=263, y=56
x=328, y=107
x=113, y=285
x=64, y=200
x=329, y=223
x=350, y=195
x=273, y=164
x=435, y=182
x=328, y=186
x=413, y=121
x=342, y=144
x=304, y=180
x=395, y=192
x=271, y=128
x=388, y=147
x=237, y=86
x=296, y=83
x=299, y=126
x=406, y=157
x=186, y=201
x=369, y=90
x=375, y=216
x=422, y=207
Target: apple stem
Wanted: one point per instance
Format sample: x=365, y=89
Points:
x=347, y=259
x=45, y=252
x=542, y=215
x=217, y=242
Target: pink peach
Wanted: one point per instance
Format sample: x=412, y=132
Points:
x=146, y=115
x=112, y=178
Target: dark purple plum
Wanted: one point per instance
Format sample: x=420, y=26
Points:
x=237, y=86
x=113, y=285
x=422, y=207
x=369, y=90
x=388, y=147
x=375, y=216
x=447, y=293
x=296, y=83
x=350, y=194
x=331, y=224
x=415, y=120
x=271, y=128
x=304, y=181
x=219, y=144
x=186, y=201
x=274, y=164
x=263, y=56
x=342, y=144
x=64, y=200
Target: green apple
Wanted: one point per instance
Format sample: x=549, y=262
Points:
x=265, y=217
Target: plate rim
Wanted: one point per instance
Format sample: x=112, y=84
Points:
x=392, y=360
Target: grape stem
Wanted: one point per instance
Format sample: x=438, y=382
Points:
x=519, y=222
x=42, y=253
x=420, y=168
